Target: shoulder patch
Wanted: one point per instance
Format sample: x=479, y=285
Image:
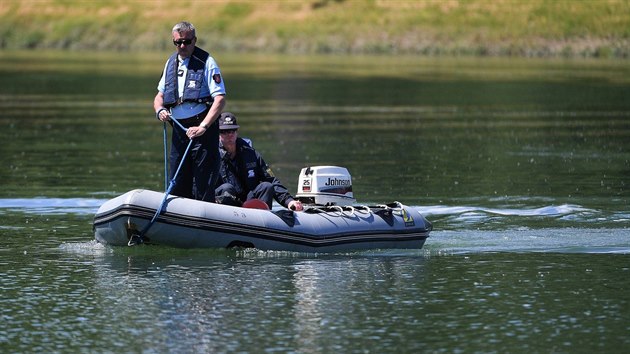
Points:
x=217, y=78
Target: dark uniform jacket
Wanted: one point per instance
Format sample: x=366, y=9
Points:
x=248, y=170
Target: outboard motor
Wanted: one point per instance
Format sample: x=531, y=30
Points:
x=325, y=185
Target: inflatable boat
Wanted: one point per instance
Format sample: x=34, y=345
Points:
x=331, y=220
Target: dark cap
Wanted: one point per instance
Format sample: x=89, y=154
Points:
x=227, y=121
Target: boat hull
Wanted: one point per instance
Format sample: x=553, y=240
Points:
x=186, y=223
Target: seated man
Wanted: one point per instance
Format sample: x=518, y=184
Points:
x=244, y=174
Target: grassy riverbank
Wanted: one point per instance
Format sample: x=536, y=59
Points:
x=569, y=28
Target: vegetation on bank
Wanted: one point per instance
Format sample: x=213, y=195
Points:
x=569, y=28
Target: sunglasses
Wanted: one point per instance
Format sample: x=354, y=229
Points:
x=179, y=42
x=228, y=131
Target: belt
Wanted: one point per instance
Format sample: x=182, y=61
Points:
x=204, y=100
x=194, y=120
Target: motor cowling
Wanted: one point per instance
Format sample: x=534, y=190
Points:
x=325, y=185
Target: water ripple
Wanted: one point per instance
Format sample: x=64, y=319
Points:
x=550, y=210
x=52, y=205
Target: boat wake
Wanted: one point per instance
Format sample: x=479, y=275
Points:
x=551, y=210
x=565, y=240
x=564, y=228
x=550, y=216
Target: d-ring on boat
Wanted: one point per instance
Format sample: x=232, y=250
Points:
x=330, y=222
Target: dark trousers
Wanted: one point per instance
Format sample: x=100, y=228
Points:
x=226, y=194
x=200, y=171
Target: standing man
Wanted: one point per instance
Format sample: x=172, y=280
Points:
x=192, y=91
x=244, y=173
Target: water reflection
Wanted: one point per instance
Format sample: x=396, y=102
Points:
x=466, y=290
x=324, y=303
x=212, y=300
x=308, y=317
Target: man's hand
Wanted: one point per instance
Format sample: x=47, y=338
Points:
x=163, y=115
x=194, y=132
x=296, y=205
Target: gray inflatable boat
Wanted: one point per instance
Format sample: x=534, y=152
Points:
x=328, y=227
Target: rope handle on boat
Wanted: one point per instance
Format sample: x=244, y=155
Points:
x=361, y=209
x=351, y=210
x=336, y=207
x=341, y=210
x=399, y=205
x=328, y=209
x=364, y=209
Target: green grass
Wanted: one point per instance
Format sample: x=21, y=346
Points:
x=566, y=28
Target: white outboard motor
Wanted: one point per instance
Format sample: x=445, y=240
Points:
x=325, y=185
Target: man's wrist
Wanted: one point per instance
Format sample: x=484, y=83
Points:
x=157, y=114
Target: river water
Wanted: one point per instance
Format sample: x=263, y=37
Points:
x=523, y=167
